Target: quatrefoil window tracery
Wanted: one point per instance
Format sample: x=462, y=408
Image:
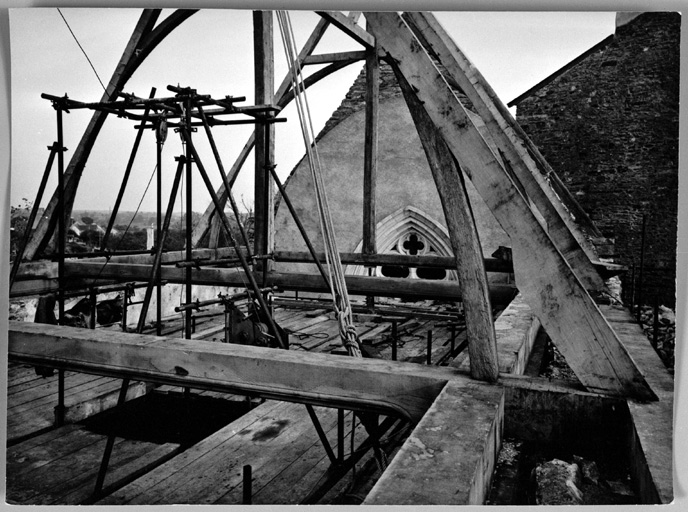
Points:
x=412, y=244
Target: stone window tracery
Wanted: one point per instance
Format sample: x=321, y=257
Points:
x=409, y=231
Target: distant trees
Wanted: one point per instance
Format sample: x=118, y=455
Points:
x=19, y=219
x=124, y=236
x=127, y=241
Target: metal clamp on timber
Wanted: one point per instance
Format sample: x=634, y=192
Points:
x=245, y=328
x=59, y=102
x=252, y=328
x=195, y=263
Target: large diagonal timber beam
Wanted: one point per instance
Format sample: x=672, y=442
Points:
x=142, y=41
x=464, y=239
x=349, y=27
x=544, y=277
x=561, y=228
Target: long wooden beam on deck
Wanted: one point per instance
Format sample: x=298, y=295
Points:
x=401, y=389
x=464, y=239
x=561, y=228
x=143, y=40
x=450, y=455
x=550, y=287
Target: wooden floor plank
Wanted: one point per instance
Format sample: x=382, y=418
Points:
x=44, y=405
x=135, y=492
x=276, y=459
x=26, y=392
x=60, y=462
x=62, y=469
x=248, y=447
x=47, y=395
x=294, y=482
x=21, y=374
x=42, y=450
x=128, y=458
x=305, y=324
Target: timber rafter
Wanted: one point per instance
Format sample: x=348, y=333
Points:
x=544, y=277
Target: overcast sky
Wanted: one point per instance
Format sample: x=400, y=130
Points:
x=212, y=52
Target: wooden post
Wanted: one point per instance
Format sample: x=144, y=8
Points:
x=189, y=211
x=61, y=233
x=160, y=140
x=370, y=155
x=264, y=204
x=463, y=236
x=544, y=277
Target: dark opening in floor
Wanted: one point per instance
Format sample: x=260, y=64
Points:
x=168, y=417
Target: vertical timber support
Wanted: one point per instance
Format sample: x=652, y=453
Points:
x=372, y=68
x=550, y=287
x=463, y=236
x=160, y=136
x=188, y=129
x=61, y=217
x=264, y=208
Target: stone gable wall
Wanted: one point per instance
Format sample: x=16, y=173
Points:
x=609, y=128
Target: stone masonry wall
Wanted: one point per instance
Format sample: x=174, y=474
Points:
x=609, y=128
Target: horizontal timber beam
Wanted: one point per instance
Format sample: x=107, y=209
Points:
x=357, y=285
x=387, y=387
x=351, y=258
x=39, y=277
x=400, y=389
x=327, y=58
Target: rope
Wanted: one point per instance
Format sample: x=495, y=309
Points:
x=82, y=49
x=337, y=284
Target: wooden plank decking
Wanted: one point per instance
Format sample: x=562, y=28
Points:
x=31, y=398
x=283, y=448
x=60, y=466
x=280, y=443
